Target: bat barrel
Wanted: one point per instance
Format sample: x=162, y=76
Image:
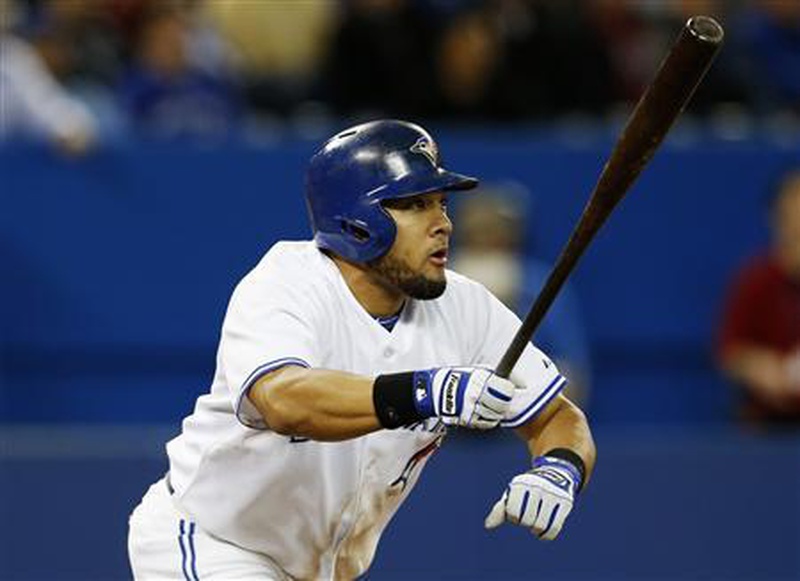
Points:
x=705, y=29
x=660, y=105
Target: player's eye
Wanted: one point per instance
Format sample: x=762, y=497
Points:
x=417, y=203
x=413, y=203
x=420, y=203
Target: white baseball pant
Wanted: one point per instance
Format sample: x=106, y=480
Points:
x=164, y=544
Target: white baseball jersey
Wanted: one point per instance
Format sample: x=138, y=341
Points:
x=318, y=508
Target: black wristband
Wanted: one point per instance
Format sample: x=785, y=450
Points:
x=393, y=398
x=569, y=456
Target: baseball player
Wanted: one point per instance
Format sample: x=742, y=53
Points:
x=342, y=363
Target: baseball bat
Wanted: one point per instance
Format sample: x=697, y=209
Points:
x=678, y=76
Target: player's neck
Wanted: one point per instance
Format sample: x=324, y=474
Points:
x=379, y=300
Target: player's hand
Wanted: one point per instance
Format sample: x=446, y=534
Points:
x=470, y=397
x=540, y=499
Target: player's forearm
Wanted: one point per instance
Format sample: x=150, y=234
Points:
x=561, y=425
x=316, y=403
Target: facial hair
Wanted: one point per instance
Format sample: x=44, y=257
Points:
x=398, y=274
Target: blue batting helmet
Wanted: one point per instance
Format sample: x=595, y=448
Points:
x=349, y=177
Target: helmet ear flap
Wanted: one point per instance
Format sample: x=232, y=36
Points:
x=355, y=228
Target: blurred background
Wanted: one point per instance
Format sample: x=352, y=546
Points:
x=152, y=150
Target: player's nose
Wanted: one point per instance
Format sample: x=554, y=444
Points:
x=441, y=223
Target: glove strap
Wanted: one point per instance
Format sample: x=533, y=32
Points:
x=567, y=459
x=393, y=396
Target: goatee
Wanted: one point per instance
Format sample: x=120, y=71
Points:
x=399, y=275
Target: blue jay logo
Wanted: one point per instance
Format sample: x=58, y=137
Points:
x=427, y=148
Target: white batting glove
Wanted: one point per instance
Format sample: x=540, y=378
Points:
x=540, y=499
x=470, y=397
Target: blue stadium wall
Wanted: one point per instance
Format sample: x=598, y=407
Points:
x=116, y=273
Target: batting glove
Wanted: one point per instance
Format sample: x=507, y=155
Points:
x=540, y=499
x=470, y=397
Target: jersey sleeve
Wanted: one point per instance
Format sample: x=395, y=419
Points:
x=268, y=325
x=536, y=376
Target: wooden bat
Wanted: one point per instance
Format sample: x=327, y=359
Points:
x=662, y=102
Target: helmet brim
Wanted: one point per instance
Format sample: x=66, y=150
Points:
x=416, y=185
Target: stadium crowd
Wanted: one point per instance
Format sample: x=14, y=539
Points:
x=82, y=71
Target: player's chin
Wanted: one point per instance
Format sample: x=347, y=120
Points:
x=435, y=274
x=425, y=287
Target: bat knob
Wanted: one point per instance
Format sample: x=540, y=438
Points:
x=706, y=29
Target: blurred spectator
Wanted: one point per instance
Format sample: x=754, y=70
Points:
x=166, y=93
x=759, y=346
x=281, y=47
x=770, y=53
x=197, y=67
x=468, y=60
x=506, y=60
x=554, y=60
x=94, y=41
x=638, y=35
x=632, y=45
x=489, y=247
x=379, y=59
x=497, y=60
x=35, y=104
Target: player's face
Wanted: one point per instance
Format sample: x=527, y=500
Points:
x=415, y=264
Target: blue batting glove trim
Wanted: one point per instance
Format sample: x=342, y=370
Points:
x=551, y=521
x=423, y=402
x=525, y=498
x=498, y=395
x=441, y=394
x=571, y=470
